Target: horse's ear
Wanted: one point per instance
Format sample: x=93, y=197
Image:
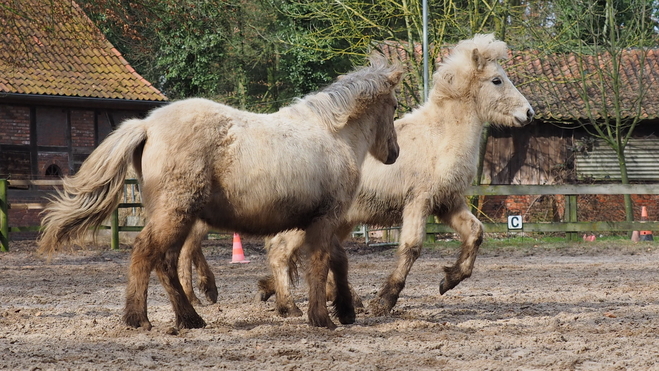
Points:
x=478, y=59
x=395, y=76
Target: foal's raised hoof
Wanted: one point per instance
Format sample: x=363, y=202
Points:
x=452, y=277
x=445, y=285
x=190, y=321
x=136, y=321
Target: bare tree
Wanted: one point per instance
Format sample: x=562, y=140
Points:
x=599, y=50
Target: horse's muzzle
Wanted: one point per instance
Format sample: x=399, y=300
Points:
x=393, y=156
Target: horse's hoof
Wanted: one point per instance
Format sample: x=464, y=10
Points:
x=347, y=318
x=263, y=296
x=137, y=321
x=266, y=288
x=211, y=295
x=322, y=322
x=444, y=286
x=378, y=307
x=192, y=322
x=293, y=311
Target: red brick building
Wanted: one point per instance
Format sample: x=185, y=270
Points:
x=63, y=89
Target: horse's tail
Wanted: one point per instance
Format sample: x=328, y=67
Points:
x=89, y=197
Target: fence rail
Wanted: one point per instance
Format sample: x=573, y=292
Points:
x=570, y=225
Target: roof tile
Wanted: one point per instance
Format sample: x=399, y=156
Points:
x=557, y=92
x=68, y=56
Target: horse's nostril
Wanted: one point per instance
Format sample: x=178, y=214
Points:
x=530, y=113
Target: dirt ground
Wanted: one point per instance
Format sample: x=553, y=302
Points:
x=581, y=307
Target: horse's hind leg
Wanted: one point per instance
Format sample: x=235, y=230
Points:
x=342, y=233
x=470, y=230
x=343, y=304
x=166, y=269
x=141, y=264
x=205, y=275
x=411, y=241
x=185, y=266
x=158, y=247
x=191, y=253
x=282, y=250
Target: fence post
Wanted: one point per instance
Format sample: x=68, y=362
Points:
x=430, y=237
x=571, y=215
x=4, y=216
x=114, y=226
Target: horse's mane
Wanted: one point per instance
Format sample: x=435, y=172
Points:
x=349, y=95
x=455, y=73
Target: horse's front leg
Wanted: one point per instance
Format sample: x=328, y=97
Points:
x=318, y=243
x=470, y=230
x=411, y=241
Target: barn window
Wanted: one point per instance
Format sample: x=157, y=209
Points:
x=54, y=171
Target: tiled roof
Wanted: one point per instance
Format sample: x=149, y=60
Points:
x=52, y=48
x=553, y=83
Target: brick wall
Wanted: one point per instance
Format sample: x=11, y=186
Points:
x=82, y=128
x=549, y=208
x=15, y=125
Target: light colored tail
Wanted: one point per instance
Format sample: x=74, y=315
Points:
x=90, y=196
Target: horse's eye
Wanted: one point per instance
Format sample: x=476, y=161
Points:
x=496, y=81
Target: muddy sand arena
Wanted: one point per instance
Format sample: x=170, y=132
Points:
x=579, y=307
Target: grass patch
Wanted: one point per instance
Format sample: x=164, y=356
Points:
x=525, y=241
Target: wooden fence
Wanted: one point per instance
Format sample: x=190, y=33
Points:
x=570, y=225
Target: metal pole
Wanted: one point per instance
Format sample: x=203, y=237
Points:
x=425, y=50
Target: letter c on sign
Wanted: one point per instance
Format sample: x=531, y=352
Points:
x=515, y=222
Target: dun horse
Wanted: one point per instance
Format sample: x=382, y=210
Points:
x=438, y=160
x=203, y=162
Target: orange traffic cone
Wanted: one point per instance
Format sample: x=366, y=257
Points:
x=589, y=237
x=645, y=235
x=238, y=254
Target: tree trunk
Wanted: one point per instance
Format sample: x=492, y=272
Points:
x=629, y=207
